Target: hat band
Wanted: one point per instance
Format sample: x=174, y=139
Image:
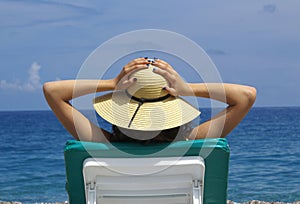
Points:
x=142, y=101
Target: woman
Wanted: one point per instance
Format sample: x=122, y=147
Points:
x=58, y=94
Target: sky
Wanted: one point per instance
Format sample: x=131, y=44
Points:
x=253, y=42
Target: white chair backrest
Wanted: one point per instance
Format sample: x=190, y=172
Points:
x=160, y=180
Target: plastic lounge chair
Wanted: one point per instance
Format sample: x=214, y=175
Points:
x=166, y=180
x=191, y=172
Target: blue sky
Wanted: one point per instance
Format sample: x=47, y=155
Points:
x=251, y=42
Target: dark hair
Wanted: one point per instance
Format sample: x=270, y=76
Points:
x=167, y=135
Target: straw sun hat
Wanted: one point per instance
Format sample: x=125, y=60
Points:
x=145, y=105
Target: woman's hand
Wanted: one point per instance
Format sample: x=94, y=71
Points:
x=123, y=80
x=177, y=86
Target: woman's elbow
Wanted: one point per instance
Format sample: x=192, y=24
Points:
x=47, y=87
x=249, y=94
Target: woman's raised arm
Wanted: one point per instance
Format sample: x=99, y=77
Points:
x=238, y=97
x=59, y=93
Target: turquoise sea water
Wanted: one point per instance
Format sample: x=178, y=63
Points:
x=264, y=162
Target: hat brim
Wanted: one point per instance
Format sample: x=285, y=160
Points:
x=118, y=109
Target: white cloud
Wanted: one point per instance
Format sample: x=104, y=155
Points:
x=32, y=83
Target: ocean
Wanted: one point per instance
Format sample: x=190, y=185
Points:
x=264, y=160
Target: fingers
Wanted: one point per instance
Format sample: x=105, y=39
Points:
x=136, y=64
x=138, y=61
x=165, y=69
x=127, y=83
x=135, y=67
x=170, y=77
x=164, y=66
x=171, y=91
x=124, y=79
